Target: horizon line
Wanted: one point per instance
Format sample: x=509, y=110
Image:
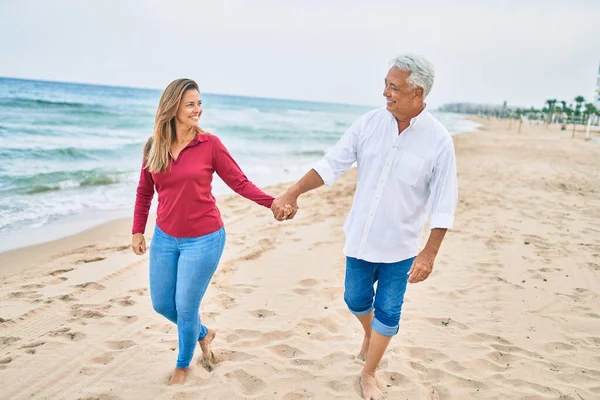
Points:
x=210, y=93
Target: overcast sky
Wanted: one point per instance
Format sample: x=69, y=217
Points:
x=521, y=51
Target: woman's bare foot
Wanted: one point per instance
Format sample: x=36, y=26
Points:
x=362, y=356
x=208, y=358
x=370, y=390
x=178, y=377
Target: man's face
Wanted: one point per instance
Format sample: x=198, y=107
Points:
x=401, y=98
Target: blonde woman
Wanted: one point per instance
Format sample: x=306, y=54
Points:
x=188, y=240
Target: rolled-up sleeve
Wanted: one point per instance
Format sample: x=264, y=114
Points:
x=339, y=158
x=444, y=188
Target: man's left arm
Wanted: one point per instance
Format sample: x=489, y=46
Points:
x=443, y=199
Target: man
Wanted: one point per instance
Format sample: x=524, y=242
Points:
x=406, y=166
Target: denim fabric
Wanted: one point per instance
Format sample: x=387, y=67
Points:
x=391, y=281
x=180, y=272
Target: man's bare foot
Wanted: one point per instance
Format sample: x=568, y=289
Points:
x=208, y=358
x=362, y=356
x=178, y=377
x=370, y=390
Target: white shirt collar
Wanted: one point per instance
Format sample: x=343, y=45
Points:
x=417, y=118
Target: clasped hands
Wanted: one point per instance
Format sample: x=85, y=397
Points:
x=285, y=207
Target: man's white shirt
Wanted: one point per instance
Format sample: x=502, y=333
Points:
x=401, y=179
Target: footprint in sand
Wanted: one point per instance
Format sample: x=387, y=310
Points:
x=231, y=355
x=29, y=294
x=5, y=340
x=246, y=383
x=285, y=351
x=140, y=291
x=262, y=313
x=308, y=282
x=559, y=347
x=101, y=396
x=120, y=344
x=128, y=318
x=123, y=301
x=89, y=310
x=425, y=354
x=33, y=345
x=103, y=359
x=67, y=297
x=90, y=260
x=391, y=379
x=211, y=315
x=238, y=289
x=66, y=333
x=449, y=322
x=224, y=301
x=339, y=357
x=88, y=314
x=299, y=394
x=6, y=360
x=57, y=281
x=341, y=386
x=311, y=324
x=60, y=271
x=32, y=286
x=90, y=285
x=312, y=364
x=31, y=348
x=304, y=291
x=242, y=334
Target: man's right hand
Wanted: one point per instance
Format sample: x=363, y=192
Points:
x=279, y=206
x=138, y=243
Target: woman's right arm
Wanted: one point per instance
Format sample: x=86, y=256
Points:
x=143, y=200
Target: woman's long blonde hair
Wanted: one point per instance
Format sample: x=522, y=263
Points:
x=156, y=150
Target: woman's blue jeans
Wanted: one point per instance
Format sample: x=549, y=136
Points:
x=180, y=272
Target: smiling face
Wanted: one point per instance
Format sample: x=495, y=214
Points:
x=402, y=100
x=190, y=108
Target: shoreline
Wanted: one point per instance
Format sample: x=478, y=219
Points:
x=80, y=223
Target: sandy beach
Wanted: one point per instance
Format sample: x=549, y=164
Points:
x=511, y=311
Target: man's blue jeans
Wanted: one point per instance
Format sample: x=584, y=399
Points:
x=391, y=281
x=180, y=272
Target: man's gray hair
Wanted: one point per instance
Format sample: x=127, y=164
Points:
x=422, y=72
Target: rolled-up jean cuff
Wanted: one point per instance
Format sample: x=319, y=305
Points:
x=361, y=313
x=384, y=330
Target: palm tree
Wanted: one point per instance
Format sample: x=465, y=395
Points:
x=579, y=100
x=590, y=109
x=551, y=103
x=564, y=105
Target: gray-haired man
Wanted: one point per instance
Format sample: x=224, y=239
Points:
x=406, y=170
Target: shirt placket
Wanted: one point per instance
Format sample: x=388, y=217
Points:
x=383, y=177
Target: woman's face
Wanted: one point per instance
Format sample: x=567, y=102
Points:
x=190, y=108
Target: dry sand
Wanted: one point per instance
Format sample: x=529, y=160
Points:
x=512, y=310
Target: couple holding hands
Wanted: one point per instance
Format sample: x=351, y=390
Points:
x=406, y=175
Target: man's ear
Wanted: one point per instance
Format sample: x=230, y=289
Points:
x=419, y=92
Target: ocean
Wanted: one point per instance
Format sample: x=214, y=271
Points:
x=70, y=154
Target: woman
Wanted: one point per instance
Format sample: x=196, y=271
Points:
x=179, y=162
